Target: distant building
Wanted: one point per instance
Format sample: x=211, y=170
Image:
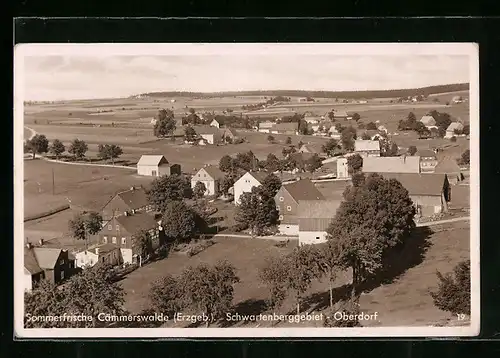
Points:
x=314, y=148
x=287, y=200
x=315, y=216
x=131, y=201
x=246, y=182
x=428, y=121
x=210, y=135
x=457, y=99
x=230, y=134
x=342, y=168
x=367, y=148
x=104, y=253
x=156, y=165
x=403, y=164
x=211, y=176
x=428, y=160
x=449, y=167
x=312, y=119
x=450, y=131
x=341, y=115
x=265, y=127
x=289, y=128
x=217, y=123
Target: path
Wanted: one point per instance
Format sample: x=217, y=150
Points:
x=446, y=221
x=33, y=133
x=247, y=236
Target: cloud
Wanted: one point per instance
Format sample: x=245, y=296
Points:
x=67, y=77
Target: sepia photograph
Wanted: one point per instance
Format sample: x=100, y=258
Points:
x=246, y=190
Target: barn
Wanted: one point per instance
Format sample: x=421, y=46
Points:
x=156, y=165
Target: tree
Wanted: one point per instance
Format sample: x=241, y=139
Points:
x=321, y=129
x=370, y=220
x=453, y=293
x=466, y=129
x=356, y=117
x=453, y=139
x=144, y=244
x=179, y=221
x=412, y=150
x=271, y=163
x=288, y=150
x=165, y=123
x=313, y=163
x=328, y=265
x=190, y=134
x=354, y=163
x=302, y=269
x=226, y=183
x=199, y=190
x=411, y=118
x=57, y=148
x=303, y=127
x=210, y=289
x=45, y=299
x=288, y=140
x=365, y=136
x=256, y=211
x=358, y=179
x=168, y=188
x=330, y=147
x=270, y=185
x=84, y=225
x=109, y=151
x=226, y=164
x=92, y=292
x=167, y=295
x=246, y=161
x=38, y=144
x=465, y=158
x=347, y=138
x=78, y=148
x=331, y=116
x=270, y=138
x=274, y=275
x=371, y=126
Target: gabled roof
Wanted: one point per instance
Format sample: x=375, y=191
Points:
x=135, y=199
x=419, y=184
x=103, y=248
x=289, y=126
x=219, y=120
x=403, y=164
x=232, y=131
x=136, y=222
x=30, y=262
x=303, y=189
x=300, y=157
x=455, y=125
x=340, y=114
x=366, y=145
x=425, y=153
x=259, y=175
x=207, y=130
x=318, y=209
x=214, y=172
x=313, y=148
x=46, y=258
x=151, y=160
x=266, y=124
x=447, y=165
x=428, y=120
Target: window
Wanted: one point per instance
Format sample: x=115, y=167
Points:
x=153, y=173
x=110, y=227
x=289, y=208
x=105, y=239
x=204, y=175
x=317, y=237
x=124, y=240
x=62, y=275
x=117, y=227
x=277, y=208
x=281, y=217
x=281, y=198
x=62, y=262
x=113, y=240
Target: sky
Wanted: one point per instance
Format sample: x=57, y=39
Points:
x=64, y=77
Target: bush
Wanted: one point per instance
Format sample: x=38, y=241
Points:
x=453, y=139
x=198, y=246
x=453, y=293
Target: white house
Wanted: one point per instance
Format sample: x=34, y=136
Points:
x=342, y=169
x=315, y=217
x=105, y=253
x=246, y=182
x=216, y=123
x=211, y=176
x=156, y=165
x=428, y=121
x=450, y=131
x=265, y=127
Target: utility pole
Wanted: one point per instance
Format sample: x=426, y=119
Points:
x=53, y=182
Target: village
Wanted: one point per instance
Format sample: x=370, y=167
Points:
x=148, y=196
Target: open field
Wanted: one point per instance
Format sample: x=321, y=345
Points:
x=401, y=298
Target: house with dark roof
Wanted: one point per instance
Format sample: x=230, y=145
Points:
x=452, y=129
x=156, y=165
x=449, y=167
x=131, y=201
x=229, y=135
x=108, y=254
x=122, y=231
x=287, y=201
x=265, y=127
x=247, y=182
x=430, y=193
x=217, y=122
x=428, y=121
x=341, y=115
x=209, y=135
x=402, y=164
x=301, y=159
x=313, y=148
x=367, y=148
x=428, y=160
x=315, y=217
x=211, y=176
x=52, y=264
x=285, y=128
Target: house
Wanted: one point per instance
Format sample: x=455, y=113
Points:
x=430, y=193
x=217, y=123
x=210, y=135
x=300, y=159
x=211, y=176
x=428, y=160
x=285, y=128
x=132, y=200
x=449, y=167
x=457, y=99
x=287, y=200
x=362, y=102
x=302, y=99
x=428, y=121
x=105, y=253
x=314, y=218
x=342, y=168
x=46, y=263
x=367, y=148
x=334, y=133
x=230, y=135
x=265, y=127
x=246, y=182
x=374, y=134
x=382, y=129
x=156, y=165
x=325, y=124
x=313, y=148
x=121, y=231
x=312, y=119
x=341, y=115
x=452, y=128
x=403, y=164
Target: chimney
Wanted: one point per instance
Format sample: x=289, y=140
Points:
x=40, y=242
x=132, y=188
x=28, y=245
x=97, y=251
x=125, y=213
